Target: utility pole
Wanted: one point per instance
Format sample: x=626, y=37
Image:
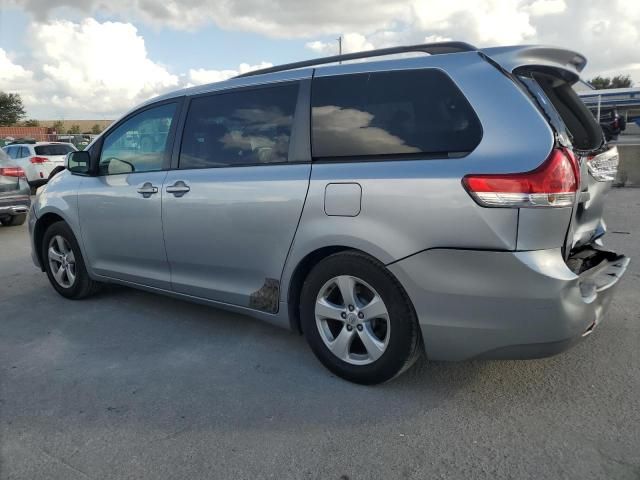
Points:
x=340, y=46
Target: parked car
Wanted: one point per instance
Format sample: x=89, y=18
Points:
x=612, y=123
x=38, y=159
x=78, y=140
x=382, y=208
x=14, y=193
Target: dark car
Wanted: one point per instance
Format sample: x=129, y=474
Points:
x=611, y=121
x=14, y=193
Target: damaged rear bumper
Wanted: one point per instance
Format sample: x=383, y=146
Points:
x=485, y=304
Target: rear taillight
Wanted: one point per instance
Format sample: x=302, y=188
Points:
x=552, y=184
x=38, y=159
x=12, y=172
x=604, y=167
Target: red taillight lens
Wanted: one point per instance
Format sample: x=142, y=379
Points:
x=552, y=184
x=12, y=172
x=38, y=159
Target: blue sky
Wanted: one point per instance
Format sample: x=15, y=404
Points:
x=88, y=59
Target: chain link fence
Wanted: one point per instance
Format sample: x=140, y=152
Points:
x=80, y=140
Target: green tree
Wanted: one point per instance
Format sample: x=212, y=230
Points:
x=96, y=129
x=32, y=122
x=11, y=109
x=58, y=126
x=75, y=129
x=619, y=81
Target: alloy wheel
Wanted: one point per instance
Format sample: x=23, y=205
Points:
x=62, y=262
x=352, y=320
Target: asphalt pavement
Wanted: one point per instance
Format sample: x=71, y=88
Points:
x=627, y=140
x=129, y=384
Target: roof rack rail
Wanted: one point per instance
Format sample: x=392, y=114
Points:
x=430, y=48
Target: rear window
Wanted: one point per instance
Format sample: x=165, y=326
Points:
x=53, y=149
x=577, y=120
x=391, y=113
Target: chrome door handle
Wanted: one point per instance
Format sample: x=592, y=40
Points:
x=147, y=190
x=178, y=189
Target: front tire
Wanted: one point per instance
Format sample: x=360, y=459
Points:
x=64, y=264
x=358, y=319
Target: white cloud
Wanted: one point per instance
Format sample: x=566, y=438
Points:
x=607, y=33
x=84, y=69
x=12, y=75
x=91, y=60
x=199, y=76
x=485, y=22
x=276, y=18
x=15, y=78
x=540, y=8
x=351, y=42
x=93, y=69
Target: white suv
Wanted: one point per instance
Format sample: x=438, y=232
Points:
x=38, y=159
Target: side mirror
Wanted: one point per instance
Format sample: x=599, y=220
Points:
x=79, y=162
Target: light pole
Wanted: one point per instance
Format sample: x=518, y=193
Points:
x=339, y=46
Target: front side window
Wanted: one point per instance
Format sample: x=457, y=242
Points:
x=248, y=127
x=391, y=113
x=139, y=144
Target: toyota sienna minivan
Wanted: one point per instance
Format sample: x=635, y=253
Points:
x=448, y=203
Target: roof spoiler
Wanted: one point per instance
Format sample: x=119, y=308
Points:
x=522, y=56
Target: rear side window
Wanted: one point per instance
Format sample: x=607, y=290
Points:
x=24, y=152
x=53, y=149
x=245, y=127
x=391, y=113
x=11, y=152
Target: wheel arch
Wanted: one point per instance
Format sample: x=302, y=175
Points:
x=41, y=226
x=301, y=271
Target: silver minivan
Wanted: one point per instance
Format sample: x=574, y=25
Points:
x=448, y=203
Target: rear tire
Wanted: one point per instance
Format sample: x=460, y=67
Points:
x=380, y=344
x=64, y=264
x=15, y=220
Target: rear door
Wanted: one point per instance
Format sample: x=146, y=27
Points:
x=231, y=207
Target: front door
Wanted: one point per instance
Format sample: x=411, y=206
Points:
x=231, y=209
x=120, y=209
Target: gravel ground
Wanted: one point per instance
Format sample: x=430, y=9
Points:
x=133, y=385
